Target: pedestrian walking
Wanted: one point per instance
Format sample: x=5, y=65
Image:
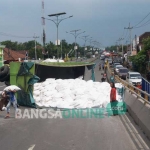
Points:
x=99, y=66
x=10, y=95
x=105, y=67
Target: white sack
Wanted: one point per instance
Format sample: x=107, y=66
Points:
x=12, y=88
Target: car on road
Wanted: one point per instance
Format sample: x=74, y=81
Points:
x=116, y=69
x=102, y=57
x=134, y=78
x=122, y=73
x=116, y=63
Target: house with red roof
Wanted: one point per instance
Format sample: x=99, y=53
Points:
x=11, y=55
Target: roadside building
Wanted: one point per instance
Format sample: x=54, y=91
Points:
x=11, y=55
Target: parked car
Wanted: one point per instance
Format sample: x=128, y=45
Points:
x=116, y=69
x=122, y=73
x=116, y=60
x=114, y=64
x=134, y=78
x=102, y=57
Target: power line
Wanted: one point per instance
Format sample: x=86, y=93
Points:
x=126, y=34
x=142, y=20
x=6, y=34
x=146, y=23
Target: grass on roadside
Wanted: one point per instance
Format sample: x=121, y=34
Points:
x=66, y=63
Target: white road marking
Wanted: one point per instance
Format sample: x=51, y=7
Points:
x=32, y=147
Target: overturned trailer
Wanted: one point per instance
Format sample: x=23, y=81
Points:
x=26, y=74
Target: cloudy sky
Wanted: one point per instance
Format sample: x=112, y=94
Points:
x=103, y=20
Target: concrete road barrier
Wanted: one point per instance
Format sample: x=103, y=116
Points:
x=139, y=112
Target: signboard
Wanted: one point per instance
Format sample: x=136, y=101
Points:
x=1, y=55
x=75, y=47
x=58, y=42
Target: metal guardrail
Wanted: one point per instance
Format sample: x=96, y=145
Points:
x=138, y=92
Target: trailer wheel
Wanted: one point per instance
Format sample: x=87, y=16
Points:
x=4, y=71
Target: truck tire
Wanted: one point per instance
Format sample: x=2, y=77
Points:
x=5, y=78
x=4, y=71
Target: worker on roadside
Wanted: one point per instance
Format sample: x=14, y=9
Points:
x=99, y=66
x=139, y=86
x=112, y=79
x=105, y=67
x=113, y=100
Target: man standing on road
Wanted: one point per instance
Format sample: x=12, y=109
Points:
x=113, y=100
x=99, y=66
x=105, y=67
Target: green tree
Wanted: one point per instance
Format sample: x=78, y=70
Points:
x=9, y=44
x=140, y=60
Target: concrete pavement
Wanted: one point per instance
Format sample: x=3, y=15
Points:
x=108, y=133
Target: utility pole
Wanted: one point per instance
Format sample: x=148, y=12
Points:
x=117, y=47
x=121, y=39
x=127, y=49
x=130, y=29
x=35, y=37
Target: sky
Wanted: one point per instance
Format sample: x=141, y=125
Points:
x=103, y=20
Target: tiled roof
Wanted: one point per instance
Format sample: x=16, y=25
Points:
x=13, y=55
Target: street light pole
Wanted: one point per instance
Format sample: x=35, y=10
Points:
x=57, y=22
x=35, y=37
x=130, y=28
x=94, y=42
x=61, y=49
x=75, y=34
x=121, y=39
x=85, y=39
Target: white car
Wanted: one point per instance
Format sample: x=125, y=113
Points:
x=134, y=78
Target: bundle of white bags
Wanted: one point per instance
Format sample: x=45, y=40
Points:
x=53, y=60
x=72, y=93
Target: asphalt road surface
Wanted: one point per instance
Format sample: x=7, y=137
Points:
x=107, y=133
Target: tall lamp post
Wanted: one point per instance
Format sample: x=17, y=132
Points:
x=75, y=34
x=57, y=22
x=35, y=37
x=94, y=43
x=85, y=39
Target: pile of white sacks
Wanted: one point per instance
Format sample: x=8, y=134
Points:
x=72, y=93
x=53, y=60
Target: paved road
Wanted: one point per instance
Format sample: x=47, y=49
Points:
x=108, y=133
x=2, y=86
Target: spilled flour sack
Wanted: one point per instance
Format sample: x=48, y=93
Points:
x=73, y=93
